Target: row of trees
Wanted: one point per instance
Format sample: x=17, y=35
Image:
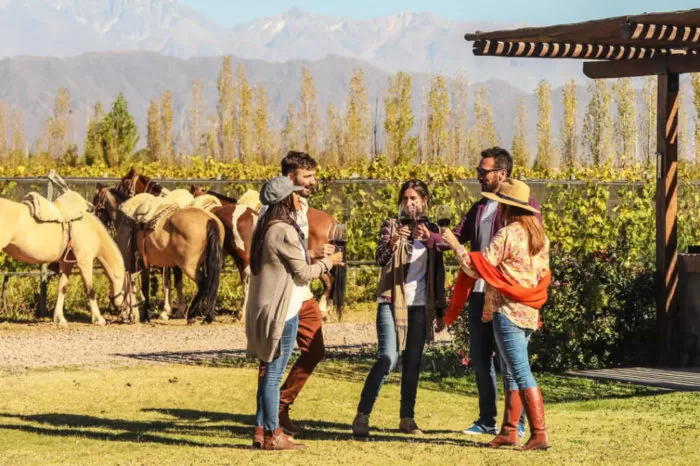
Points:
x=614, y=128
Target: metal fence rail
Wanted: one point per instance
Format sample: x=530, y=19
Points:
x=86, y=185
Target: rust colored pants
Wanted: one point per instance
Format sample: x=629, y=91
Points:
x=310, y=342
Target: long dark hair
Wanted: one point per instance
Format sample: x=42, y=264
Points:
x=283, y=212
x=418, y=186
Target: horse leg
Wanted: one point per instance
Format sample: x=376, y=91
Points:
x=64, y=269
x=146, y=312
x=167, y=289
x=181, y=305
x=327, y=280
x=86, y=272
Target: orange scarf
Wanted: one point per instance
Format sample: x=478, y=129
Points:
x=533, y=297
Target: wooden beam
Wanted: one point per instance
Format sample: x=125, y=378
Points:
x=633, y=68
x=674, y=34
x=666, y=209
x=499, y=48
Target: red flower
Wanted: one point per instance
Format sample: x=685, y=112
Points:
x=465, y=361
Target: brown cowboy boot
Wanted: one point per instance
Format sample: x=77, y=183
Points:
x=278, y=440
x=258, y=437
x=289, y=427
x=407, y=425
x=360, y=426
x=534, y=409
x=511, y=419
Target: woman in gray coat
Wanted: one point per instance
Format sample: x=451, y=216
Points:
x=280, y=269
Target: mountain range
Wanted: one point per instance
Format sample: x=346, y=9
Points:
x=409, y=41
x=98, y=48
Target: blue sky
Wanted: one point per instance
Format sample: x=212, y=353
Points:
x=231, y=12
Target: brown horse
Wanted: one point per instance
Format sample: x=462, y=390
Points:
x=320, y=223
x=237, y=241
x=190, y=239
x=25, y=239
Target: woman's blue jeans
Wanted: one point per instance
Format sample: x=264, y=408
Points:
x=512, y=342
x=267, y=414
x=388, y=357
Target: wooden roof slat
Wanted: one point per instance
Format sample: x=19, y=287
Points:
x=601, y=31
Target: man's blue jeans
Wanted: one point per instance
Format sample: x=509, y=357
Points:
x=512, y=342
x=389, y=355
x=267, y=414
x=481, y=346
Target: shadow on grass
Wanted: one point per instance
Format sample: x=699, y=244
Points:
x=73, y=425
x=189, y=422
x=312, y=429
x=351, y=363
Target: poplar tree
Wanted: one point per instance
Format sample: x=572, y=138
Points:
x=597, y=123
x=308, y=114
x=196, y=117
x=695, y=83
x=357, y=121
x=166, y=115
x=262, y=138
x=154, y=131
x=244, y=114
x=521, y=154
x=438, y=111
x=545, y=151
x=459, y=120
x=225, y=110
x=625, y=127
x=334, y=136
x=569, y=133
x=647, y=119
x=399, y=119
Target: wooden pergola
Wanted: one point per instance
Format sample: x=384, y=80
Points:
x=662, y=44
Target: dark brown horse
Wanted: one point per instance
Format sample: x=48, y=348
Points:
x=320, y=223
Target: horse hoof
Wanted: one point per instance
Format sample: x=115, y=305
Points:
x=191, y=321
x=61, y=323
x=164, y=316
x=101, y=322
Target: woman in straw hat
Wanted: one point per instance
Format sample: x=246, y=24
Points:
x=516, y=268
x=281, y=269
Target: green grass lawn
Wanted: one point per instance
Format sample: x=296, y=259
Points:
x=176, y=414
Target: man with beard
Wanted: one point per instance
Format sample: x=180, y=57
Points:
x=300, y=167
x=478, y=227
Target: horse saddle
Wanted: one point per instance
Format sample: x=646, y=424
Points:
x=251, y=200
x=206, y=202
x=143, y=208
x=182, y=197
x=69, y=207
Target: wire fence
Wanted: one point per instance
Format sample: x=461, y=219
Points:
x=15, y=188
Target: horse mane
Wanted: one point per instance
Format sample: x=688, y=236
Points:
x=116, y=192
x=223, y=197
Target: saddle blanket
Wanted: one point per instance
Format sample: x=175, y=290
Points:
x=69, y=207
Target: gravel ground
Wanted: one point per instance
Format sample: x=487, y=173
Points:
x=24, y=347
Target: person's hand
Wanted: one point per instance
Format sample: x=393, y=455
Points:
x=323, y=251
x=403, y=232
x=449, y=238
x=337, y=259
x=421, y=233
x=439, y=324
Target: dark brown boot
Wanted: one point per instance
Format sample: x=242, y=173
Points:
x=289, y=427
x=534, y=409
x=258, y=437
x=511, y=419
x=278, y=440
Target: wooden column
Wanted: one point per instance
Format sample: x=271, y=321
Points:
x=666, y=209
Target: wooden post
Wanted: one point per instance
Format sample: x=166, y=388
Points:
x=666, y=209
x=43, y=291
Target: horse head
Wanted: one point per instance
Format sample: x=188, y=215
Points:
x=106, y=203
x=197, y=191
x=134, y=183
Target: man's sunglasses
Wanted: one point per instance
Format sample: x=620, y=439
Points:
x=483, y=171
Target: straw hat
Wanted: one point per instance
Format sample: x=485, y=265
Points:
x=513, y=192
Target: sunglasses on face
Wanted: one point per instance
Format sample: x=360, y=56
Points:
x=484, y=171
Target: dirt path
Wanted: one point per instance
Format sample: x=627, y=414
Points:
x=44, y=346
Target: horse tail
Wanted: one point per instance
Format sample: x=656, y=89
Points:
x=208, y=274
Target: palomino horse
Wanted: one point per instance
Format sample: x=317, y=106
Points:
x=320, y=224
x=25, y=239
x=188, y=238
